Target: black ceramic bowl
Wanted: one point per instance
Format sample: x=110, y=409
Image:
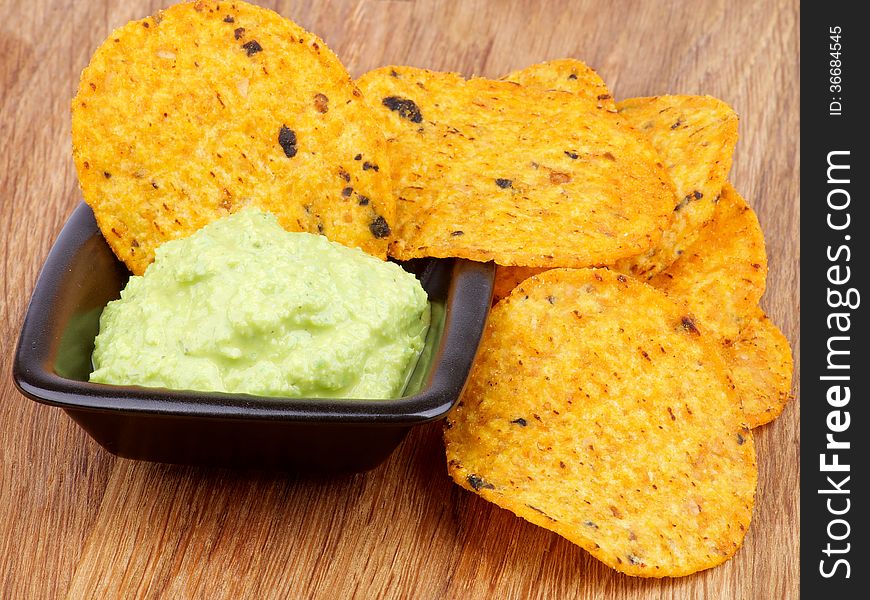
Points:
x=53, y=361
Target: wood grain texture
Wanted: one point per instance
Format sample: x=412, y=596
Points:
x=77, y=522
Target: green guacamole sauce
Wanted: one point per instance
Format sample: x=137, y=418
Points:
x=243, y=306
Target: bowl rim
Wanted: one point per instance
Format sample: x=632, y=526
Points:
x=466, y=312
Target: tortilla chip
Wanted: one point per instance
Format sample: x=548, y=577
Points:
x=596, y=409
x=492, y=170
x=507, y=278
x=721, y=277
x=695, y=137
x=760, y=365
x=208, y=107
x=568, y=75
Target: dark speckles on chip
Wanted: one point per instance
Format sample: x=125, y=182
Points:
x=379, y=227
x=287, y=141
x=538, y=510
x=406, y=108
x=688, y=324
x=504, y=183
x=478, y=483
x=696, y=195
x=252, y=47
x=321, y=103
x=238, y=32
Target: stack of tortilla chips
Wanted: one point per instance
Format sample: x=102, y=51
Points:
x=626, y=358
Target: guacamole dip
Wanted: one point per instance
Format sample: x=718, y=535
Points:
x=243, y=306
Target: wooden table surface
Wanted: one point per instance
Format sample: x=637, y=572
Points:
x=78, y=522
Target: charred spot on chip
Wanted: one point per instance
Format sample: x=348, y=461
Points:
x=740, y=439
x=634, y=560
x=572, y=155
x=238, y=32
x=287, y=141
x=591, y=524
x=677, y=124
x=406, y=108
x=520, y=421
x=478, y=483
x=551, y=299
x=107, y=175
x=229, y=19
x=604, y=96
x=456, y=233
x=688, y=324
x=379, y=227
x=504, y=183
x=621, y=278
x=346, y=192
x=252, y=47
x=367, y=166
x=358, y=157
x=321, y=103
x=363, y=200
x=572, y=76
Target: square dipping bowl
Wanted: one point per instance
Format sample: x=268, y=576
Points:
x=53, y=361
